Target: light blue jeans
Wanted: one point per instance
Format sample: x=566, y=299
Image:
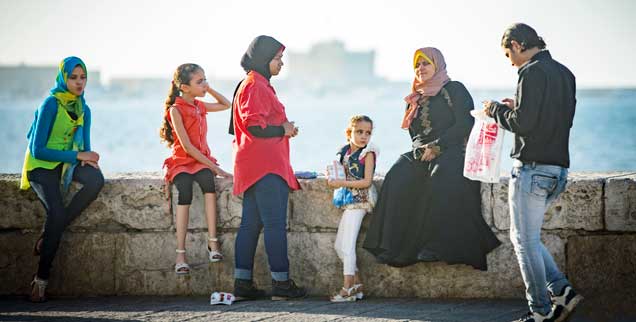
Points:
x=532, y=188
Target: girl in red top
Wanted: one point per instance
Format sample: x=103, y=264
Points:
x=262, y=170
x=191, y=159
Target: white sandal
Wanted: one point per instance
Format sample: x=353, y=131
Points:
x=181, y=268
x=358, y=293
x=214, y=255
x=40, y=286
x=338, y=298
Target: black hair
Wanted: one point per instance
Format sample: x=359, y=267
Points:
x=522, y=34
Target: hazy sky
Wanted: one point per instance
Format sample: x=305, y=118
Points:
x=595, y=38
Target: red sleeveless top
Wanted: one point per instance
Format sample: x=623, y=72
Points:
x=196, y=125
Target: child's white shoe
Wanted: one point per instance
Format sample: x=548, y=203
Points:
x=357, y=290
x=348, y=297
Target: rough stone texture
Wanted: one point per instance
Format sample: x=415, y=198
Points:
x=580, y=206
x=127, y=203
x=85, y=264
x=487, y=203
x=17, y=264
x=603, y=264
x=18, y=209
x=312, y=209
x=620, y=204
x=124, y=244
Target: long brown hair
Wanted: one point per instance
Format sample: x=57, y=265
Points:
x=182, y=76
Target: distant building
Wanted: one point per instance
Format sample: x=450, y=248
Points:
x=34, y=81
x=330, y=65
x=139, y=86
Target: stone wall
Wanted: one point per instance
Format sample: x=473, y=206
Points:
x=124, y=243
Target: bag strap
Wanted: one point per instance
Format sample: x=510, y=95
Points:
x=231, y=126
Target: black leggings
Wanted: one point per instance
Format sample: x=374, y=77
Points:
x=183, y=181
x=46, y=184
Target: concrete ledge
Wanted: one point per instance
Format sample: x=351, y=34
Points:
x=124, y=243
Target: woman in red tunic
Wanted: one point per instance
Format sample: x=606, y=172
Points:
x=262, y=172
x=191, y=159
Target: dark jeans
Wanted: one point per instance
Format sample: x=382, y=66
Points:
x=264, y=206
x=46, y=184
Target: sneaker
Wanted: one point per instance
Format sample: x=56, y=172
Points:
x=245, y=290
x=536, y=317
x=283, y=290
x=567, y=300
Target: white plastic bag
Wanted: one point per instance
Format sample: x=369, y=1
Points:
x=483, y=151
x=335, y=170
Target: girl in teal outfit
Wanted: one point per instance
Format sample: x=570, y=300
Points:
x=58, y=152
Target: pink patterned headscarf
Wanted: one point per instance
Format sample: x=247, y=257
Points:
x=428, y=88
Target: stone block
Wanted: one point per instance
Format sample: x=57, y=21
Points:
x=620, y=204
x=17, y=264
x=145, y=265
x=603, y=265
x=85, y=265
x=312, y=208
x=580, y=206
x=19, y=209
x=127, y=203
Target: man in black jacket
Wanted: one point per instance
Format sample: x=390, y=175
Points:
x=541, y=118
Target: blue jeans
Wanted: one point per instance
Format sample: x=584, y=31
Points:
x=532, y=188
x=264, y=207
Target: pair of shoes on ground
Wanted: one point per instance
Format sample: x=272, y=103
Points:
x=281, y=290
x=351, y=294
x=562, y=307
x=213, y=255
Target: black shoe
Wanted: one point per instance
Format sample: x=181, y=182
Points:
x=245, y=290
x=536, y=317
x=283, y=290
x=567, y=301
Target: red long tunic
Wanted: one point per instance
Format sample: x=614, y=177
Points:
x=256, y=104
x=196, y=125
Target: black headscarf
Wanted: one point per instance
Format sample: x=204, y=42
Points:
x=257, y=57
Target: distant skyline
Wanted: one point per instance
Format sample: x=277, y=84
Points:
x=595, y=39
